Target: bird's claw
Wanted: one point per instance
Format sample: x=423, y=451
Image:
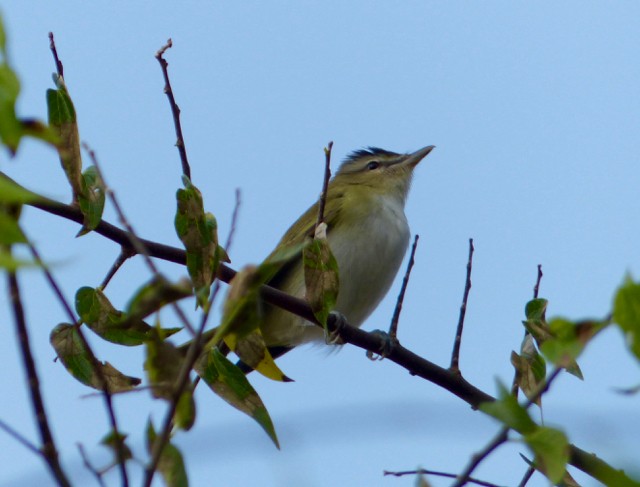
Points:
x=333, y=337
x=388, y=342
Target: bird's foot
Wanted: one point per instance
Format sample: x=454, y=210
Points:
x=333, y=337
x=388, y=342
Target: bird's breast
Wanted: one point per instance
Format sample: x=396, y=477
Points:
x=369, y=247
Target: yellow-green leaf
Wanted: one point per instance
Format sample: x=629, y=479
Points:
x=320, y=276
x=113, y=325
x=111, y=442
x=91, y=200
x=162, y=363
x=72, y=353
x=508, y=411
x=62, y=118
x=626, y=313
x=199, y=234
x=171, y=464
x=551, y=449
x=230, y=383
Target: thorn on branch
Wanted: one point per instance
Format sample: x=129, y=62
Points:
x=455, y=355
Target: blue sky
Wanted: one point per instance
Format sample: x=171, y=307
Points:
x=534, y=110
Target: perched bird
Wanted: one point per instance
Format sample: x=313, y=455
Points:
x=367, y=232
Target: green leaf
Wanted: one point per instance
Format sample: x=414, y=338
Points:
x=186, y=409
x=13, y=193
x=162, y=363
x=551, y=449
x=198, y=232
x=536, y=309
x=91, y=200
x=11, y=130
x=626, y=313
x=110, y=441
x=320, y=276
x=507, y=410
x=71, y=351
x=230, y=383
x=171, y=464
x=156, y=294
x=10, y=232
x=113, y=325
x=568, y=342
x=62, y=118
x=10, y=263
x=241, y=317
x=3, y=38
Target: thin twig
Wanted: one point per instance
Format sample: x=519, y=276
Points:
x=455, y=355
x=175, y=110
x=536, y=288
x=91, y=468
x=527, y=475
x=54, y=51
x=325, y=182
x=49, y=450
x=393, y=327
x=193, y=352
x=20, y=439
x=97, y=366
x=136, y=242
x=423, y=471
x=123, y=256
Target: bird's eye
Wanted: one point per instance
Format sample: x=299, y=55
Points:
x=373, y=165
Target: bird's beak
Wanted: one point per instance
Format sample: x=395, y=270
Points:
x=414, y=158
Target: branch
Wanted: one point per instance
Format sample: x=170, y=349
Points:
x=395, y=319
x=325, y=182
x=49, y=451
x=455, y=355
x=415, y=364
x=175, y=110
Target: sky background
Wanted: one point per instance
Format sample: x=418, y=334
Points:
x=534, y=109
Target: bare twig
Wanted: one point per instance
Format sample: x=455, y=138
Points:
x=20, y=439
x=325, y=182
x=536, y=288
x=85, y=459
x=175, y=110
x=393, y=327
x=49, y=450
x=527, y=475
x=455, y=355
x=123, y=256
x=97, y=366
x=423, y=471
x=54, y=51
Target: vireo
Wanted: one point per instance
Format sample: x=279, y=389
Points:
x=368, y=234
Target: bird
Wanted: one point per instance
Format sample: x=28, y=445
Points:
x=368, y=233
